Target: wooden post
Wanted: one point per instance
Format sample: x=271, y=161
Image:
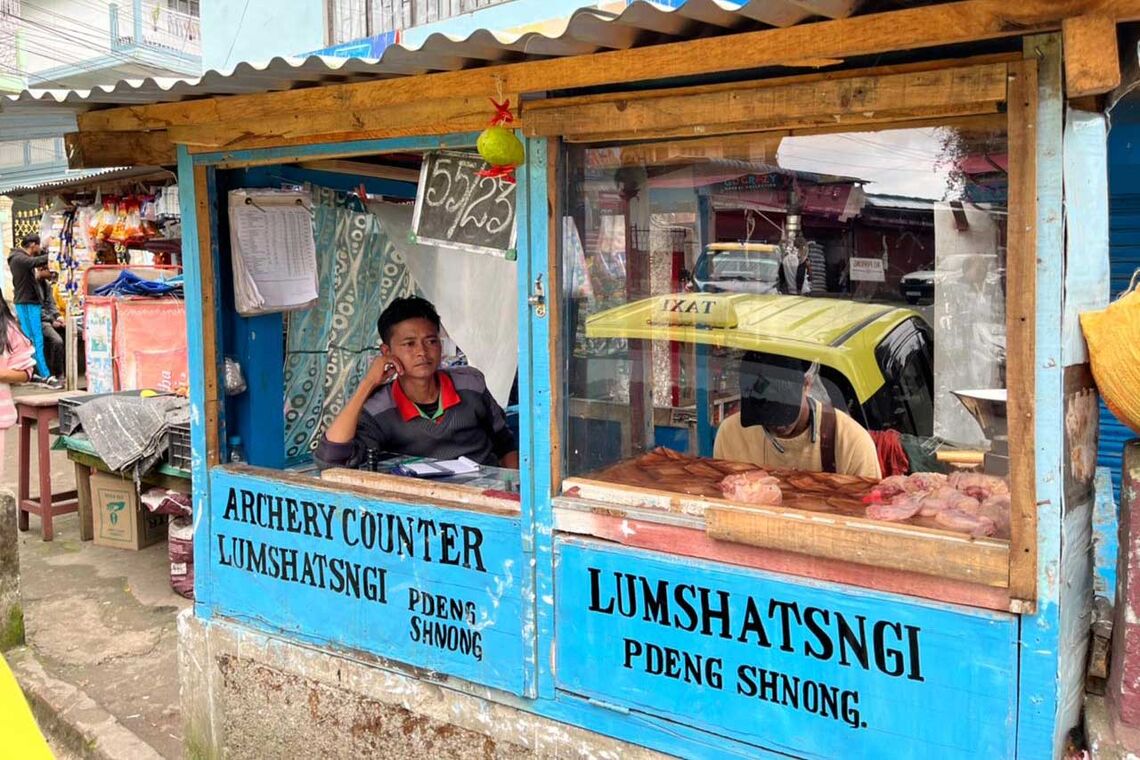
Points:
x=71, y=351
x=1020, y=329
x=1092, y=61
x=83, y=489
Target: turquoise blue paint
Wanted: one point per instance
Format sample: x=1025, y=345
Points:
x=435, y=588
x=192, y=256
x=1105, y=532
x=257, y=415
x=1039, y=733
x=530, y=194
x=761, y=658
x=534, y=220
x=257, y=30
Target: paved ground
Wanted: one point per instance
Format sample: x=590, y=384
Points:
x=103, y=619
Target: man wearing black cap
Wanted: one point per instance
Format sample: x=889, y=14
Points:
x=781, y=427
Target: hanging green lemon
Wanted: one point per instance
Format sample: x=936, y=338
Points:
x=499, y=147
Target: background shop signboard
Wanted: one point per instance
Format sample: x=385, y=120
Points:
x=868, y=270
x=807, y=669
x=434, y=588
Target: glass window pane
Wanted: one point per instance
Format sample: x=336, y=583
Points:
x=728, y=302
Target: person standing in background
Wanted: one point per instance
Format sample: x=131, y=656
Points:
x=51, y=323
x=24, y=263
x=17, y=361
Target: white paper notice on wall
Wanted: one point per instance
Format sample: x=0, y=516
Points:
x=868, y=270
x=274, y=253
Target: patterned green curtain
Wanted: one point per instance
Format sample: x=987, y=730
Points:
x=328, y=348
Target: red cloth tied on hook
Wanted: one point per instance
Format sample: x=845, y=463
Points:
x=502, y=116
x=502, y=113
x=505, y=173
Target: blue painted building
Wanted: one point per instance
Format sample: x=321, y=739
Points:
x=615, y=612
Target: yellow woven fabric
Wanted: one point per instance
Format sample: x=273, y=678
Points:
x=1113, y=335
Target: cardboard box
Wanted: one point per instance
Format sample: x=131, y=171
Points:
x=119, y=518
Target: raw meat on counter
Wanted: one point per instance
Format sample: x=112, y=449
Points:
x=968, y=502
x=920, y=482
x=667, y=470
x=902, y=507
x=957, y=519
x=996, y=508
x=756, y=487
x=979, y=485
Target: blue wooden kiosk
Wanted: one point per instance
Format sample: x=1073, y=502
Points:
x=577, y=621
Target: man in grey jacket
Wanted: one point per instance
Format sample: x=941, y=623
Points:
x=28, y=265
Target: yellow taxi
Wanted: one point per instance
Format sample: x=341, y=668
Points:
x=876, y=361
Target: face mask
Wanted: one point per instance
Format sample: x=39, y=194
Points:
x=770, y=396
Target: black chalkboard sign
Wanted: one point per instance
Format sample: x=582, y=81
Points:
x=456, y=208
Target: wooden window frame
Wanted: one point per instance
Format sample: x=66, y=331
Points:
x=938, y=565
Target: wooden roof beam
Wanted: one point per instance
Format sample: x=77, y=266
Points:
x=693, y=112
x=99, y=150
x=362, y=169
x=1092, y=58
x=912, y=28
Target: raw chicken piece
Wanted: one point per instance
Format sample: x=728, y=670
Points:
x=925, y=481
x=902, y=507
x=956, y=519
x=964, y=503
x=920, y=483
x=979, y=485
x=997, y=509
x=893, y=486
x=937, y=500
x=756, y=487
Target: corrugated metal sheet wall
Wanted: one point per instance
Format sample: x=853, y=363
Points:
x=1124, y=241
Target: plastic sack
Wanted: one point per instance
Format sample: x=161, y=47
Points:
x=180, y=548
x=161, y=501
x=1113, y=335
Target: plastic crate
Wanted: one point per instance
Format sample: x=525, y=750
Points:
x=69, y=413
x=178, y=446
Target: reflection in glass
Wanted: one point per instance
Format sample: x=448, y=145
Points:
x=876, y=260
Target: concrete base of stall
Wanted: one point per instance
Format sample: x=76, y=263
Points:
x=1106, y=741
x=247, y=694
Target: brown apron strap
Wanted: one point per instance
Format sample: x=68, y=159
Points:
x=827, y=438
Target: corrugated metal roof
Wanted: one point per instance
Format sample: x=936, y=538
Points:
x=901, y=202
x=587, y=30
x=77, y=177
